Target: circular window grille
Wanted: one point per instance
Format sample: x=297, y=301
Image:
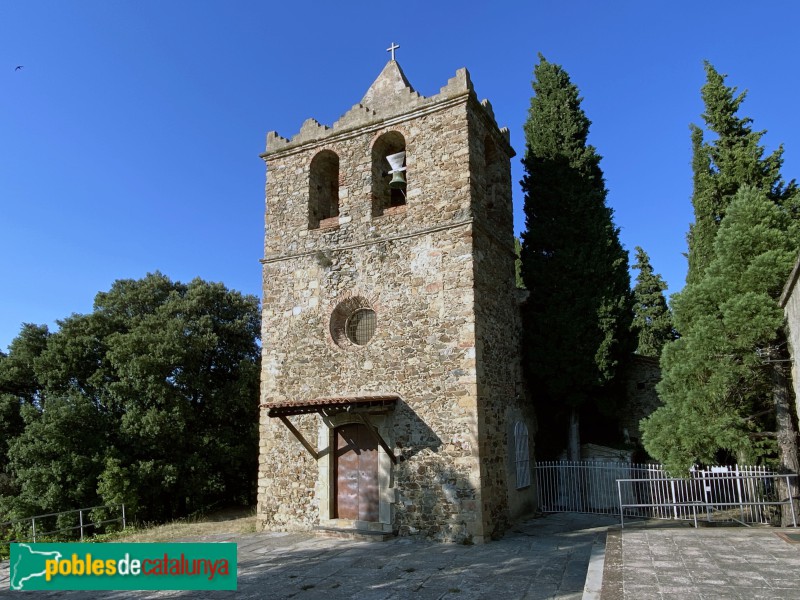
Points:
x=353, y=322
x=360, y=326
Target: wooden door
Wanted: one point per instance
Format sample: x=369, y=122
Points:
x=355, y=474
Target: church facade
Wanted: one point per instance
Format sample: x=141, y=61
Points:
x=392, y=398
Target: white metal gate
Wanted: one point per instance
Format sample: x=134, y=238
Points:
x=737, y=493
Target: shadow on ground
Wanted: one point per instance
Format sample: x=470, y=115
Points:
x=541, y=558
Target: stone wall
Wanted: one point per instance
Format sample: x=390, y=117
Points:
x=438, y=272
x=500, y=387
x=790, y=301
x=641, y=377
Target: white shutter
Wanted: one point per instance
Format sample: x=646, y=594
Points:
x=522, y=455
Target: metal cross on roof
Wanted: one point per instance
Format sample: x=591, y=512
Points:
x=392, y=48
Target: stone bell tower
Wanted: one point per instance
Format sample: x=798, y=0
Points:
x=391, y=389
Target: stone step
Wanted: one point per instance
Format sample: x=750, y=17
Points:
x=348, y=533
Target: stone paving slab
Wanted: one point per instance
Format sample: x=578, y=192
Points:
x=539, y=559
x=657, y=561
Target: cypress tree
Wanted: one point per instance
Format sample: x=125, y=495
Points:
x=718, y=389
x=732, y=159
x=723, y=399
x=578, y=315
x=652, y=320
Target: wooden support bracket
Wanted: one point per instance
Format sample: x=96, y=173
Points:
x=377, y=436
x=300, y=437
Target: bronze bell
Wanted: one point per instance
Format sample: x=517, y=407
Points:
x=398, y=180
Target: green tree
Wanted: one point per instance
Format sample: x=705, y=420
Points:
x=652, y=320
x=11, y=426
x=733, y=158
x=188, y=372
x=578, y=316
x=17, y=375
x=722, y=401
x=718, y=392
x=58, y=457
x=165, y=377
x=19, y=387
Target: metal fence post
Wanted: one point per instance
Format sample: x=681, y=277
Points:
x=82, y=524
x=739, y=492
x=674, y=499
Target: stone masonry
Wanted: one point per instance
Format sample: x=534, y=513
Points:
x=790, y=302
x=432, y=270
x=641, y=377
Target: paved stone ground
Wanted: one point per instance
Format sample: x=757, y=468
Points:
x=542, y=558
x=720, y=563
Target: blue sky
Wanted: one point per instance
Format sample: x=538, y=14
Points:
x=129, y=141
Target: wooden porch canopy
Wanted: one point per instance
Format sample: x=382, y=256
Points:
x=328, y=405
x=331, y=405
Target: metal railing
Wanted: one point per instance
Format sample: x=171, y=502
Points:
x=722, y=496
x=586, y=486
x=82, y=524
x=741, y=494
